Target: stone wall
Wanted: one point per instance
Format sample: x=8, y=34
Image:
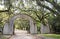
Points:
x=9, y=28
x=44, y=29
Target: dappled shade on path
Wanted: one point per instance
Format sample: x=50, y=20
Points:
x=21, y=34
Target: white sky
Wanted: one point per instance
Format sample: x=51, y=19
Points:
x=58, y=1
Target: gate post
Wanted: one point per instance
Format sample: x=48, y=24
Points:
x=33, y=28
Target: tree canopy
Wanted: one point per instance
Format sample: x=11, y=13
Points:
x=42, y=11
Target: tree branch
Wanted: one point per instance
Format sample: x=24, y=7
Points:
x=4, y=11
x=39, y=3
x=54, y=4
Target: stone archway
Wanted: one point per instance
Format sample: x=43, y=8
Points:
x=8, y=27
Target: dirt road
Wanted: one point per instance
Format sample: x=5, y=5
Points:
x=22, y=34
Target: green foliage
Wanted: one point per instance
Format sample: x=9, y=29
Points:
x=55, y=36
x=21, y=23
x=3, y=18
x=56, y=24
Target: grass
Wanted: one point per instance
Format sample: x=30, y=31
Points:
x=52, y=35
x=56, y=36
x=2, y=37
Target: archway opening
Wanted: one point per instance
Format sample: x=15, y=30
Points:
x=21, y=25
x=9, y=26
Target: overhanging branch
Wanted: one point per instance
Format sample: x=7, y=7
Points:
x=4, y=11
x=55, y=12
x=54, y=4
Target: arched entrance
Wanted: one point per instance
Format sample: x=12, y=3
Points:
x=8, y=27
x=21, y=25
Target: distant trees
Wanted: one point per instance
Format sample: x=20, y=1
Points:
x=22, y=24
